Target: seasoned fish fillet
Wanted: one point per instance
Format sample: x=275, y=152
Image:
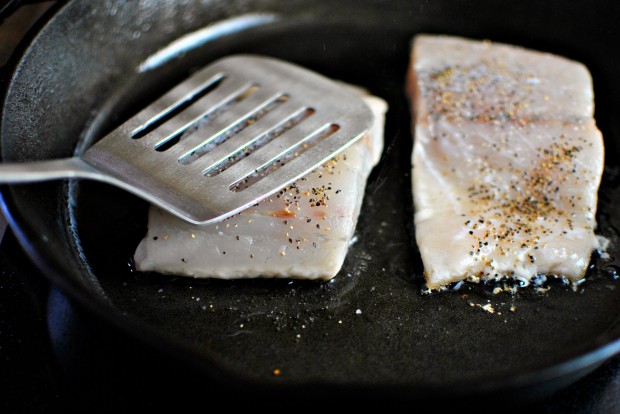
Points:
x=303, y=231
x=507, y=161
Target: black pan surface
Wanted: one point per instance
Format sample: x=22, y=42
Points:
x=372, y=328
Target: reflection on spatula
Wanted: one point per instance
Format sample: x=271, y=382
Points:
x=230, y=135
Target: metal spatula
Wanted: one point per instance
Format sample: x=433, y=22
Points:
x=227, y=137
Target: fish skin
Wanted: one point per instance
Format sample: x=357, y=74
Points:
x=507, y=161
x=285, y=236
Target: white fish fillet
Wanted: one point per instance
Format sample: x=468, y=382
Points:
x=507, y=161
x=302, y=232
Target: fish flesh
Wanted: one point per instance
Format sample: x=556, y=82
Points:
x=301, y=232
x=507, y=161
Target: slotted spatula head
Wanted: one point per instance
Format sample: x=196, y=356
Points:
x=232, y=134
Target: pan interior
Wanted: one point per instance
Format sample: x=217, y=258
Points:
x=373, y=317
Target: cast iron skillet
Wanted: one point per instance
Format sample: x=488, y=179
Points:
x=371, y=329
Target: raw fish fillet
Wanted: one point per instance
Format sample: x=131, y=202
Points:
x=507, y=161
x=303, y=231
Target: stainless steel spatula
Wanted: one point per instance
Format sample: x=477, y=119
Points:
x=222, y=140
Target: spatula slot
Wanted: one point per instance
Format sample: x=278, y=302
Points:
x=233, y=129
x=294, y=152
x=178, y=107
x=260, y=141
x=189, y=129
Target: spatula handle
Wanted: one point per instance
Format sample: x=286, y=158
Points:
x=46, y=170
